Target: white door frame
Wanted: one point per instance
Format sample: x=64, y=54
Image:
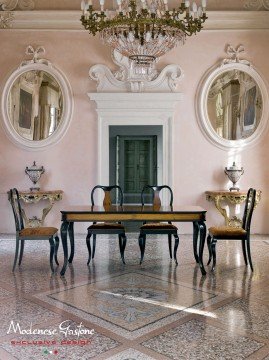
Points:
x=123, y=109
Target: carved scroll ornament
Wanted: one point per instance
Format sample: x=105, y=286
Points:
x=257, y=5
x=164, y=81
x=6, y=19
x=8, y=5
x=234, y=54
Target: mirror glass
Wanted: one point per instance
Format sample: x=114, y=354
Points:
x=35, y=105
x=234, y=105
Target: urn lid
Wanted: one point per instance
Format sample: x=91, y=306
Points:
x=234, y=167
x=34, y=167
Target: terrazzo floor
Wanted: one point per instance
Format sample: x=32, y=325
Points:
x=153, y=311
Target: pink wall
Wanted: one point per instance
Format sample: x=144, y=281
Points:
x=71, y=164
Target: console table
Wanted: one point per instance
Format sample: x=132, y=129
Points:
x=31, y=197
x=232, y=198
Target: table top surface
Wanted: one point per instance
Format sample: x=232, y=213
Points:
x=133, y=209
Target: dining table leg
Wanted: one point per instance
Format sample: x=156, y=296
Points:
x=202, y=227
x=64, y=229
x=72, y=241
x=195, y=240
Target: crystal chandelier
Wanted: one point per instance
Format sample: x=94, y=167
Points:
x=143, y=30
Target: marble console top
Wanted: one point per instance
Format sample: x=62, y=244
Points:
x=40, y=192
x=226, y=192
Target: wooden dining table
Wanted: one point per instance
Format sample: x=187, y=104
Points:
x=193, y=214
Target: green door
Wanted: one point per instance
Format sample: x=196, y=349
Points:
x=137, y=165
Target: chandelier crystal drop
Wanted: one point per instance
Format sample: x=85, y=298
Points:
x=143, y=30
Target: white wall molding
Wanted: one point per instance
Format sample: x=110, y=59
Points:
x=237, y=20
x=70, y=20
x=47, y=20
x=140, y=102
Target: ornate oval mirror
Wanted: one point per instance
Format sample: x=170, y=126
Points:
x=232, y=104
x=36, y=104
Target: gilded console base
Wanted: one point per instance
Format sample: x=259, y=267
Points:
x=31, y=197
x=231, y=198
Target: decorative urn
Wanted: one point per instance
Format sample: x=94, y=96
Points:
x=234, y=173
x=34, y=172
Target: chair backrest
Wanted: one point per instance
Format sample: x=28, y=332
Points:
x=249, y=207
x=16, y=207
x=156, y=201
x=107, y=198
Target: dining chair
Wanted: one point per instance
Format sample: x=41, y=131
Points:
x=155, y=228
x=28, y=233
x=103, y=228
x=234, y=233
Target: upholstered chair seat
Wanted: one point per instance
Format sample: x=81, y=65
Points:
x=26, y=233
x=106, y=225
x=216, y=233
x=226, y=231
x=39, y=231
x=155, y=228
x=158, y=226
x=113, y=228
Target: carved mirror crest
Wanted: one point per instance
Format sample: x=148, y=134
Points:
x=232, y=103
x=37, y=103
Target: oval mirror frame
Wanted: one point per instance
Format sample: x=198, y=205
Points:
x=202, y=108
x=62, y=128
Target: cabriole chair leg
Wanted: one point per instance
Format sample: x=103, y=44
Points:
x=93, y=245
x=209, y=249
x=244, y=251
x=176, y=247
x=52, y=248
x=195, y=240
x=170, y=245
x=123, y=245
x=213, y=249
x=142, y=244
x=249, y=255
x=120, y=245
x=88, y=242
x=56, y=247
x=21, y=251
x=16, y=254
